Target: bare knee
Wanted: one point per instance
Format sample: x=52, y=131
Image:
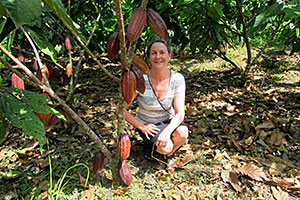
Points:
x=181, y=133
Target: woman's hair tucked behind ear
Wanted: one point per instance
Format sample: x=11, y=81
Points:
x=158, y=39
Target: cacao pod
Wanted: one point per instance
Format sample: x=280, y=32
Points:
x=140, y=81
x=157, y=24
x=54, y=71
x=124, y=172
x=128, y=86
x=98, y=162
x=140, y=63
x=68, y=44
x=113, y=46
x=45, y=68
x=17, y=82
x=34, y=65
x=136, y=24
x=69, y=69
x=124, y=147
x=21, y=57
x=44, y=117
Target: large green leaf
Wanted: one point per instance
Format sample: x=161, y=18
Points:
x=3, y=125
x=23, y=11
x=36, y=101
x=3, y=10
x=21, y=116
x=41, y=41
x=0, y=80
x=58, y=9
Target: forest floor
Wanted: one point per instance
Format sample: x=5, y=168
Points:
x=244, y=140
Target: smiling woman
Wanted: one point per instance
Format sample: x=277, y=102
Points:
x=161, y=107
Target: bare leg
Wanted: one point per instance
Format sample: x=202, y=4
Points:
x=178, y=138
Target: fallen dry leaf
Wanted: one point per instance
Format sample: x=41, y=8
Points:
x=232, y=178
x=121, y=191
x=87, y=194
x=279, y=194
x=253, y=172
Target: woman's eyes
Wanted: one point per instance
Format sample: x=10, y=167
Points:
x=154, y=53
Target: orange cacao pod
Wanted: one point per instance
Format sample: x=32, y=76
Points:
x=45, y=68
x=44, y=117
x=113, y=46
x=136, y=24
x=124, y=147
x=68, y=44
x=17, y=82
x=98, y=162
x=124, y=172
x=140, y=63
x=157, y=24
x=140, y=81
x=69, y=69
x=128, y=86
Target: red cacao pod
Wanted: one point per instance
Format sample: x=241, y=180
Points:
x=34, y=65
x=45, y=68
x=136, y=24
x=54, y=71
x=140, y=63
x=157, y=24
x=17, y=82
x=113, y=46
x=124, y=147
x=68, y=44
x=69, y=69
x=124, y=172
x=140, y=81
x=21, y=57
x=44, y=117
x=98, y=162
x=128, y=86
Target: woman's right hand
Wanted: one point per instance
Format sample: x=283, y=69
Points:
x=150, y=129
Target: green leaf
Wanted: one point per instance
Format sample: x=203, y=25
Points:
x=36, y=102
x=57, y=7
x=21, y=116
x=0, y=80
x=23, y=11
x=3, y=10
x=3, y=125
x=39, y=39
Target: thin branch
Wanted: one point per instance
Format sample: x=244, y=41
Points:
x=37, y=57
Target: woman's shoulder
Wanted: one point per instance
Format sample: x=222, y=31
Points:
x=177, y=75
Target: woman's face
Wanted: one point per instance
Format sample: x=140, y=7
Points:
x=159, y=55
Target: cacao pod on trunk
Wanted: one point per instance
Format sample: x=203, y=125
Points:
x=68, y=44
x=124, y=172
x=69, y=69
x=17, y=82
x=136, y=24
x=21, y=57
x=128, y=86
x=113, y=46
x=157, y=24
x=140, y=63
x=98, y=162
x=140, y=81
x=124, y=147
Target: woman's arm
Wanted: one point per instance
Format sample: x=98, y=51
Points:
x=148, y=129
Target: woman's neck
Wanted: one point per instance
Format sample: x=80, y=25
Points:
x=160, y=74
